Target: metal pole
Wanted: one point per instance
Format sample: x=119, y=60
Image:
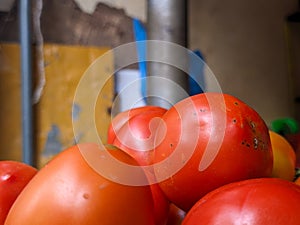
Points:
x=166, y=21
x=26, y=78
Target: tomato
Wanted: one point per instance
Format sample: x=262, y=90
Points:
x=258, y=201
x=69, y=191
x=176, y=215
x=136, y=138
x=206, y=141
x=161, y=205
x=284, y=157
x=14, y=176
x=120, y=119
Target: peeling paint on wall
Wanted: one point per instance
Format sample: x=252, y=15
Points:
x=55, y=111
x=65, y=67
x=133, y=8
x=75, y=112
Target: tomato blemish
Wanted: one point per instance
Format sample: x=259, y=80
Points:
x=255, y=143
x=245, y=143
x=86, y=196
x=253, y=126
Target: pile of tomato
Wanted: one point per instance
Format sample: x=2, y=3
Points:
x=209, y=159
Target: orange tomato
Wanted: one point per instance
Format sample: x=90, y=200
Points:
x=68, y=191
x=284, y=157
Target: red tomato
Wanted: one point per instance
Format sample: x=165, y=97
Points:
x=120, y=119
x=176, y=215
x=14, y=176
x=206, y=141
x=258, y=201
x=161, y=205
x=68, y=191
x=136, y=138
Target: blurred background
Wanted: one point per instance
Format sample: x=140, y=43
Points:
x=252, y=47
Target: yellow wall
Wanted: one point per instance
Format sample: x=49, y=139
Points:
x=64, y=67
x=10, y=118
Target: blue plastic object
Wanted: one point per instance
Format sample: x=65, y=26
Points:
x=196, y=79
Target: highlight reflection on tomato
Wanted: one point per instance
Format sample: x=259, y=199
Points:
x=68, y=191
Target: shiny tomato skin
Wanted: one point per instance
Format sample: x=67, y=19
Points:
x=14, y=176
x=136, y=138
x=68, y=191
x=257, y=201
x=121, y=118
x=192, y=128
